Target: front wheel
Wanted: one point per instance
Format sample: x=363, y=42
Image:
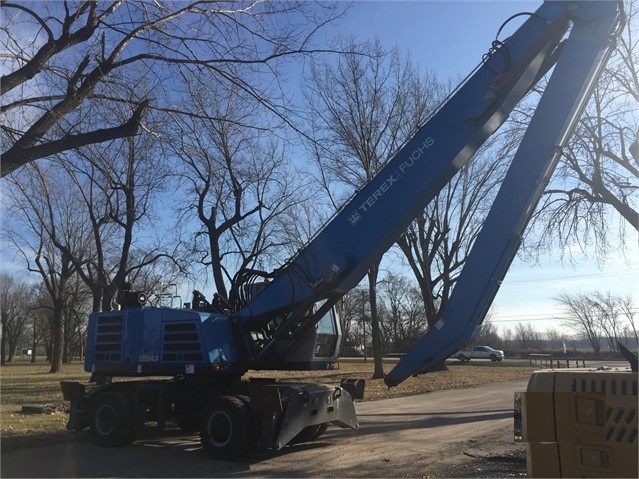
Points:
x=493, y=358
x=462, y=358
x=225, y=431
x=112, y=420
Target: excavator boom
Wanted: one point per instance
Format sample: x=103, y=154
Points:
x=574, y=37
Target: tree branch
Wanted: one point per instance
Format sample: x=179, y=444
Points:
x=16, y=156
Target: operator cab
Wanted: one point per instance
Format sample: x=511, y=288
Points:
x=316, y=348
x=301, y=348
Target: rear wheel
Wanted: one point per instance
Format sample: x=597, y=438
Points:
x=225, y=431
x=112, y=420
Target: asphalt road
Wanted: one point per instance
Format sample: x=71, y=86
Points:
x=403, y=437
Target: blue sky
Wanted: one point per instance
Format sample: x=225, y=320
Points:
x=450, y=37
x=447, y=36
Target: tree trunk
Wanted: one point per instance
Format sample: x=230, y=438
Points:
x=34, y=343
x=12, y=349
x=66, y=338
x=57, y=337
x=378, y=372
x=3, y=344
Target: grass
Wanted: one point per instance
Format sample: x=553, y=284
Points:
x=25, y=384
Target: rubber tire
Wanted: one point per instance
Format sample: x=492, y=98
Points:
x=462, y=358
x=310, y=433
x=493, y=358
x=225, y=428
x=112, y=420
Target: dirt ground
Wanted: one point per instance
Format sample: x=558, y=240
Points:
x=456, y=376
x=435, y=435
x=497, y=457
x=24, y=385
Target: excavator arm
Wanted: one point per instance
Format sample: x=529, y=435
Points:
x=595, y=26
x=574, y=37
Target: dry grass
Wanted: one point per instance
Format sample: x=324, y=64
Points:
x=23, y=383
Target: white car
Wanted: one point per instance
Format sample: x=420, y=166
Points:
x=480, y=352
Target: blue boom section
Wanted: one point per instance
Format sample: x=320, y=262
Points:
x=340, y=255
x=595, y=25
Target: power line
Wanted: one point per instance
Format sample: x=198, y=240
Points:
x=528, y=318
x=576, y=276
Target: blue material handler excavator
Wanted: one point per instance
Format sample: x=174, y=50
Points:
x=288, y=319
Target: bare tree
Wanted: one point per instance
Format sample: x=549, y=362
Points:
x=599, y=315
x=554, y=338
x=437, y=243
x=628, y=310
x=402, y=315
x=14, y=302
x=363, y=109
x=355, y=318
x=597, y=178
x=40, y=320
x=75, y=319
x=116, y=190
x=68, y=61
x=111, y=195
x=583, y=317
x=238, y=181
x=526, y=336
x=56, y=271
x=488, y=334
x=44, y=216
x=609, y=318
x=507, y=335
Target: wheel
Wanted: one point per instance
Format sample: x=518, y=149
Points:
x=461, y=358
x=493, y=358
x=310, y=433
x=112, y=420
x=225, y=430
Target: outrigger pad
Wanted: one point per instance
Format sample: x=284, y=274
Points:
x=354, y=387
x=72, y=390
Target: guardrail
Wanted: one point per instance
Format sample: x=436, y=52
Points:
x=540, y=360
x=546, y=361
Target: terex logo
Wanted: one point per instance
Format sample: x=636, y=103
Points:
x=378, y=193
x=400, y=170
